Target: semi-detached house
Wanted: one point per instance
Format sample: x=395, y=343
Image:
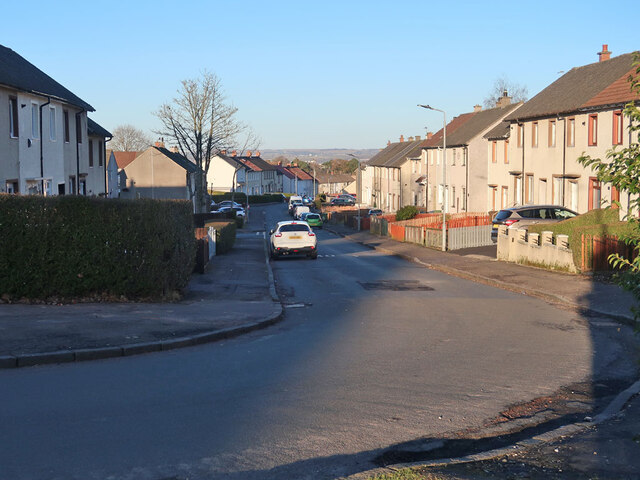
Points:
x=47, y=144
x=581, y=112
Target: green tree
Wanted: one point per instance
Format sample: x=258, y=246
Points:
x=621, y=168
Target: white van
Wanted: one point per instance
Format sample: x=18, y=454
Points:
x=300, y=209
x=294, y=201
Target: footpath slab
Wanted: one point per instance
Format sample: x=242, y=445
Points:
x=235, y=295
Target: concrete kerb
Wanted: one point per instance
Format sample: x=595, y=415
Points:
x=474, y=277
x=65, y=356
x=612, y=410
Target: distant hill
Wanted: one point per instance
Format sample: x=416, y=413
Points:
x=319, y=155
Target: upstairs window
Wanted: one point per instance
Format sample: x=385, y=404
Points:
x=91, y=153
x=534, y=134
x=617, y=128
x=65, y=114
x=494, y=148
x=593, y=129
x=571, y=132
x=35, y=116
x=506, y=151
x=13, y=117
x=520, y=135
x=552, y=133
x=52, y=124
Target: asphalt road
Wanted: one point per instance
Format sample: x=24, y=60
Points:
x=373, y=352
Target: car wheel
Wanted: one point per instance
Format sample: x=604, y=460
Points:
x=313, y=255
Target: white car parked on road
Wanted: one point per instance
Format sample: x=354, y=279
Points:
x=293, y=238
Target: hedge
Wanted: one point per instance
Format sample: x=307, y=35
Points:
x=71, y=246
x=240, y=197
x=406, y=213
x=225, y=235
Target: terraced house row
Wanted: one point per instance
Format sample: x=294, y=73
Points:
x=515, y=154
x=48, y=145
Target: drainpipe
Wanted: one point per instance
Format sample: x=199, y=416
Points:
x=78, y=129
x=522, y=173
x=42, y=147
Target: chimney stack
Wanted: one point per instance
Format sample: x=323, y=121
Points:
x=256, y=154
x=401, y=138
x=174, y=149
x=605, y=54
x=234, y=153
x=248, y=153
x=429, y=135
x=223, y=152
x=417, y=138
x=388, y=142
x=504, y=100
x=160, y=143
x=477, y=108
x=410, y=139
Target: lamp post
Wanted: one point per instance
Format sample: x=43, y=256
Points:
x=445, y=200
x=358, y=186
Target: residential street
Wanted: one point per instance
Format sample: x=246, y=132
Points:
x=375, y=358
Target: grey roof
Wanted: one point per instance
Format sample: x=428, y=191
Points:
x=18, y=73
x=575, y=88
x=396, y=154
x=95, y=130
x=231, y=161
x=499, y=132
x=324, y=178
x=478, y=124
x=188, y=165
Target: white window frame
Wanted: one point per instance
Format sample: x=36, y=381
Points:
x=52, y=123
x=13, y=117
x=35, y=120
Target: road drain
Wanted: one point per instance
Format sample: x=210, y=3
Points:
x=397, y=286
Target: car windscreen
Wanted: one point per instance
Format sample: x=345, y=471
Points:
x=298, y=227
x=313, y=216
x=503, y=215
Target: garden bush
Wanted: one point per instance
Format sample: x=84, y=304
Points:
x=406, y=213
x=71, y=246
x=225, y=235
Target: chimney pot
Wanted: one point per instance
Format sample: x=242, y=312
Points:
x=248, y=153
x=174, y=149
x=477, y=108
x=234, y=153
x=160, y=144
x=223, y=152
x=605, y=54
x=401, y=138
x=256, y=154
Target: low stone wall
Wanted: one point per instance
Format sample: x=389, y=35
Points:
x=543, y=250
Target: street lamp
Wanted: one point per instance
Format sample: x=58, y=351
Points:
x=358, y=186
x=445, y=200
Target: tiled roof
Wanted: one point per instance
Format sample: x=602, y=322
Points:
x=616, y=93
x=477, y=124
x=256, y=164
x=178, y=158
x=396, y=154
x=499, y=132
x=578, y=89
x=326, y=178
x=95, y=130
x=436, y=140
x=301, y=174
x=123, y=159
x=18, y=73
x=285, y=172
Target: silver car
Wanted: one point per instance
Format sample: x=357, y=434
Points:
x=529, y=215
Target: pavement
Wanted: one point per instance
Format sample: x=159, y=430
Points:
x=236, y=294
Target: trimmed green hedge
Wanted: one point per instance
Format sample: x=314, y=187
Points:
x=225, y=235
x=72, y=246
x=240, y=197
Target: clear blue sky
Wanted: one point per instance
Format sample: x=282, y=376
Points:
x=330, y=74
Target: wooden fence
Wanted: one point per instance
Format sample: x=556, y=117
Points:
x=596, y=249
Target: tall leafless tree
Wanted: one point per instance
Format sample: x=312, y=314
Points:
x=201, y=122
x=518, y=93
x=127, y=138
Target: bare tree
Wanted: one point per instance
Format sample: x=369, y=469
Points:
x=127, y=138
x=518, y=93
x=202, y=124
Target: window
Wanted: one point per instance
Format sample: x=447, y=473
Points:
x=520, y=135
x=505, y=197
x=78, y=129
x=90, y=153
x=13, y=117
x=571, y=132
x=534, y=134
x=52, y=124
x=557, y=191
x=82, y=186
x=100, y=153
x=542, y=191
x=34, y=121
x=493, y=193
x=465, y=152
x=494, y=147
x=506, y=151
x=12, y=186
x=464, y=199
x=593, y=129
x=573, y=192
x=529, y=187
x=72, y=185
x=454, y=156
x=552, y=133
x=595, y=193
x=517, y=189
x=617, y=128
x=65, y=114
